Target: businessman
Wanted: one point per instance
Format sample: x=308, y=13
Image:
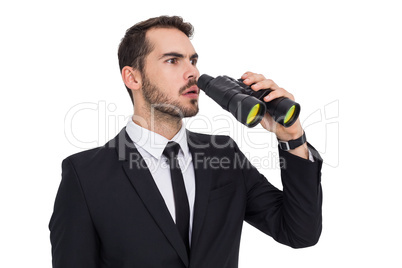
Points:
x=158, y=195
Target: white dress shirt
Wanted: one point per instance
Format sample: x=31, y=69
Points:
x=151, y=145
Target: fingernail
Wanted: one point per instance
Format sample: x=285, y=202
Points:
x=266, y=98
x=246, y=80
x=244, y=75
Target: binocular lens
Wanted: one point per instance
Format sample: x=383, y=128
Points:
x=289, y=115
x=253, y=114
x=246, y=104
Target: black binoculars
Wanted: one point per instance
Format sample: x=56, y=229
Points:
x=245, y=104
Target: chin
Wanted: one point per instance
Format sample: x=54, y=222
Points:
x=190, y=112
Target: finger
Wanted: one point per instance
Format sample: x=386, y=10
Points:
x=244, y=76
x=267, y=83
x=247, y=74
x=253, y=78
x=277, y=94
x=268, y=122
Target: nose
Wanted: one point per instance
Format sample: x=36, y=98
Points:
x=191, y=72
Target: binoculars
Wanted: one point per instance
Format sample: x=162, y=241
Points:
x=245, y=104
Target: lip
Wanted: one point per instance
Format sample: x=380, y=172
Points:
x=192, y=92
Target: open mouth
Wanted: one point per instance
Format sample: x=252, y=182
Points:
x=191, y=91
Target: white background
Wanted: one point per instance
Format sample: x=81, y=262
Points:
x=61, y=93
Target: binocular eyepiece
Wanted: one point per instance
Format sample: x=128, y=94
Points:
x=245, y=104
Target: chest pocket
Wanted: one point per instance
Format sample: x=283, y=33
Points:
x=221, y=192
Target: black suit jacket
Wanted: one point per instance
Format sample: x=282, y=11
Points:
x=109, y=213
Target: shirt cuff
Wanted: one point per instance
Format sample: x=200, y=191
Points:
x=310, y=156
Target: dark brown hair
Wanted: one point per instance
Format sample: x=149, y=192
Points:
x=134, y=47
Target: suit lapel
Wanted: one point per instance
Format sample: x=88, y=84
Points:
x=143, y=183
x=203, y=175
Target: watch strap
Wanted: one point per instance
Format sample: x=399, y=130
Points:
x=292, y=144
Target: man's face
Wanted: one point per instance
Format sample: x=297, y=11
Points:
x=170, y=74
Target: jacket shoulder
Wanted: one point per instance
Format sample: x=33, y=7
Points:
x=208, y=139
x=96, y=157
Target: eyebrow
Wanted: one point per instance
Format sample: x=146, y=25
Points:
x=178, y=55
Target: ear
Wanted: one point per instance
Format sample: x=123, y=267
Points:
x=131, y=78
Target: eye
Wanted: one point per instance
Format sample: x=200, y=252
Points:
x=172, y=61
x=194, y=61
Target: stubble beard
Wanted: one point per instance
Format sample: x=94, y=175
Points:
x=163, y=105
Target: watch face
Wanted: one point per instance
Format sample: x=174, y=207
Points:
x=292, y=144
x=284, y=145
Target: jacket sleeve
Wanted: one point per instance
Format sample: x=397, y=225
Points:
x=293, y=216
x=73, y=237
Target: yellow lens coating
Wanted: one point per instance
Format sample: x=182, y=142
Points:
x=253, y=114
x=289, y=114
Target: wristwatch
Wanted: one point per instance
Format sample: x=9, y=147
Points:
x=292, y=144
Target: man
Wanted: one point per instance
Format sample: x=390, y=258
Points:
x=127, y=204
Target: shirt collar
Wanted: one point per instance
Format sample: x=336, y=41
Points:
x=154, y=143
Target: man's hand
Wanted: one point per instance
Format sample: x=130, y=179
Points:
x=258, y=82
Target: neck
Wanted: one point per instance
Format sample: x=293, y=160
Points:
x=163, y=124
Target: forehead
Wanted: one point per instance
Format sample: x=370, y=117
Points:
x=165, y=40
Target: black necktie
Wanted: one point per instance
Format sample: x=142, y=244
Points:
x=179, y=191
